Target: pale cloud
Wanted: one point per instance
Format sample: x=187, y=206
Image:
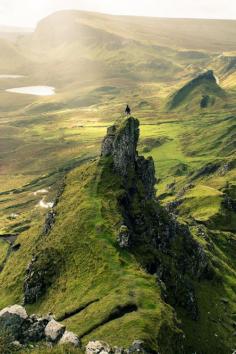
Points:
x=29, y=12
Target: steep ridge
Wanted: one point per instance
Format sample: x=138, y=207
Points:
x=201, y=34
x=111, y=263
x=79, y=272
x=200, y=93
x=77, y=45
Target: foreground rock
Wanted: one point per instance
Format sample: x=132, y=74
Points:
x=54, y=331
x=26, y=329
x=14, y=319
x=70, y=338
x=95, y=347
x=99, y=347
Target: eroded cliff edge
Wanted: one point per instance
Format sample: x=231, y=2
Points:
x=162, y=245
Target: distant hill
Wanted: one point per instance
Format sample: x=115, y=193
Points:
x=85, y=47
x=209, y=35
x=13, y=60
x=201, y=92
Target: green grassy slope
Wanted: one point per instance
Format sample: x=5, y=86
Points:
x=200, y=93
x=92, y=270
x=194, y=149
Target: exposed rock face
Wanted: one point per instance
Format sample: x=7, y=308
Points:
x=121, y=143
x=146, y=172
x=108, y=142
x=137, y=347
x=23, y=328
x=49, y=222
x=69, y=338
x=97, y=347
x=26, y=329
x=123, y=237
x=36, y=330
x=13, y=320
x=51, y=215
x=40, y=274
x=14, y=310
x=54, y=331
x=148, y=226
x=207, y=75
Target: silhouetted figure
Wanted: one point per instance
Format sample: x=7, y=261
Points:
x=128, y=110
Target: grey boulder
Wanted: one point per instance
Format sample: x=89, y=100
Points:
x=70, y=338
x=98, y=347
x=13, y=319
x=54, y=331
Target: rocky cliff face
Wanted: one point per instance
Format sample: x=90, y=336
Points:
x=147, y=230
x=121, y=144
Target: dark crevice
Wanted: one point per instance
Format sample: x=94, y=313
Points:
x=2, y=265
x=10, y=240
x=116, y=313
x=75, y=311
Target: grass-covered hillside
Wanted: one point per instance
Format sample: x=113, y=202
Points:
x=97, y=64
x=102, y=290
x=201, y=92
x=97, y=289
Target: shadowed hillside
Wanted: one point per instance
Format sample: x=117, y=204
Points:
x=201, y=92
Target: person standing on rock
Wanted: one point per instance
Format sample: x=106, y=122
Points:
x=128, y=110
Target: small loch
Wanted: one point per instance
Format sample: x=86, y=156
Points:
x=34, y=90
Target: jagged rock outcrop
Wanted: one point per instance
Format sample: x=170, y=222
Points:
x=207, y=75
x=147, y=226
x=13, y=320
x=32, y=329
x=51, y=215
x=159, y=244
x=49, y=222
x=121, y=143
x=40, y=274
x=146, y=172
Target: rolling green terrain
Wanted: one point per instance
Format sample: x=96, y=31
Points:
x=98, y=64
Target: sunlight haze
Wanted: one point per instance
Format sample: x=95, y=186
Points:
x=26, y=13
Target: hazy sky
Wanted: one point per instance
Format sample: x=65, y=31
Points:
x=29, y=12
